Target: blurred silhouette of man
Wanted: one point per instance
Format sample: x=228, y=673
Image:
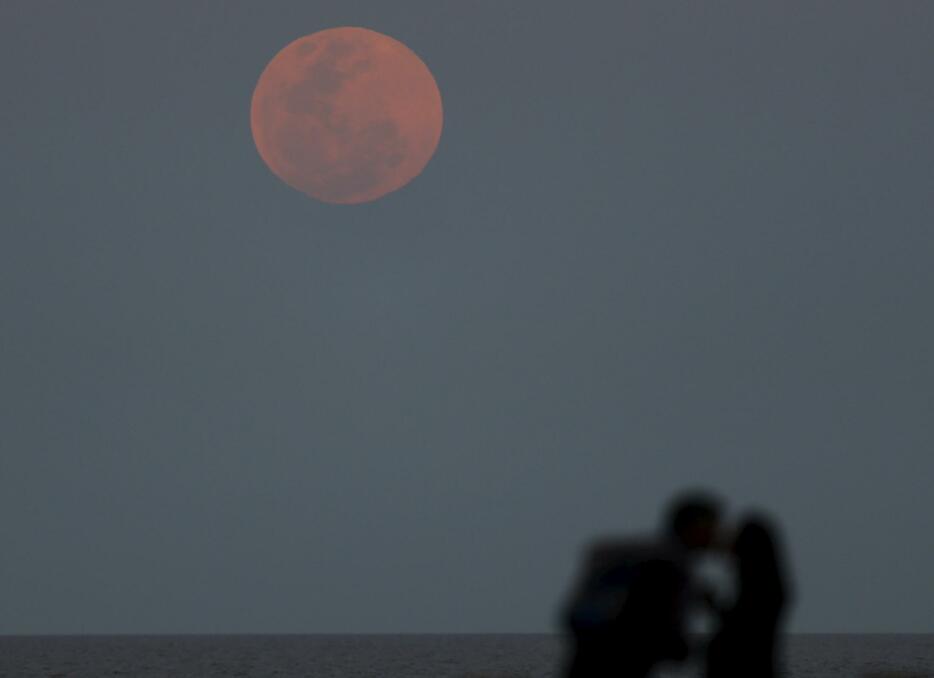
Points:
x=628, y=611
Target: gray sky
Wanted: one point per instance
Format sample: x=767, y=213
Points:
x=659, y=244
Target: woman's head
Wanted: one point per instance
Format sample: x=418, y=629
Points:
x=754, y=541
x=758, y=555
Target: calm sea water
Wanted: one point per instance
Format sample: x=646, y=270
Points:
x=408, y=656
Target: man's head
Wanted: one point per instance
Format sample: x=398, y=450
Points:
x=693, y=519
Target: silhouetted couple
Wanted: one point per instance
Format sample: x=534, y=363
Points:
x=630, y=610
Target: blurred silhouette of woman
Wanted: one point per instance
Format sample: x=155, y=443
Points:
x=745, y=644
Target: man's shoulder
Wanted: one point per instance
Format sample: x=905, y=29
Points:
x=645, y=547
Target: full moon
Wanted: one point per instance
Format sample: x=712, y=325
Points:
x=346, y=115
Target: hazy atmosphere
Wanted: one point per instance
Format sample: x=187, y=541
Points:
x=658, y=245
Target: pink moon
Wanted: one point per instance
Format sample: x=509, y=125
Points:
x=346, y=115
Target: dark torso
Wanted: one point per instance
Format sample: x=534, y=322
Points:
x=647, y=626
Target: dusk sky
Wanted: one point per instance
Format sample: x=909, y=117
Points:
x=659, y=245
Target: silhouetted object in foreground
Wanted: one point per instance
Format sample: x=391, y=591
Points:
x=628, y=611
x=745, y=644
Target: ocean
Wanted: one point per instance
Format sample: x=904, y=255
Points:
x=405, y=656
